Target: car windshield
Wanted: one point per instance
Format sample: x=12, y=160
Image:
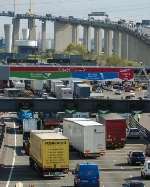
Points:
x=134, y=130
x=137, y=154
x=136, y=185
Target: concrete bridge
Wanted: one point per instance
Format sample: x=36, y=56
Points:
x=119, y=39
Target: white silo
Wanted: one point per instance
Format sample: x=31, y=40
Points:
x=8, y=37
x=25, y=34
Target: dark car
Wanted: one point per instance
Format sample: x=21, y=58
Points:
x=136, y=157
x=86, y=175
x=133, y=184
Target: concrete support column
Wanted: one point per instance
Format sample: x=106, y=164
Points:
x=108, y=42
x=124, y=46
x=43, y=37
x=117, y=43
x=62, y=36
x=87, y=37
x=15, y=35
x=32, y=29
x=8, y=37
x=98, y=40
x=75, y=34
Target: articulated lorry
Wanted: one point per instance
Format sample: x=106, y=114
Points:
x=49, y=153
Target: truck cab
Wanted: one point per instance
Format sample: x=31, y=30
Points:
x=86, y=174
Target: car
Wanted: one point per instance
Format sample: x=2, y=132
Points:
x=147, y=150
x=136, y=157
x=86, y=174
x=133, y=133
x=132, y=93
x=133, y=184
x=44, y=95
x=118, y=92
x=145, y=171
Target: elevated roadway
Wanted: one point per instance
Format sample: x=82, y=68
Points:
x=77, y=21
x=83, y=105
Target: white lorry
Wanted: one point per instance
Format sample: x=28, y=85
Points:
x=85, y=135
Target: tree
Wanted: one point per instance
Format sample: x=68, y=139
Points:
x=75, y=49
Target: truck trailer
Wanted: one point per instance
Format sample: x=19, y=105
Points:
x=115, y=127
x=49, y=153
x=85, y=135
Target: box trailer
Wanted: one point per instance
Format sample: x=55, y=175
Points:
x=28, y=125
x=85, y=135
x=115, y=127
x=49, y=153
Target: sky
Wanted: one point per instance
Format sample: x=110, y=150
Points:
x=116, y=9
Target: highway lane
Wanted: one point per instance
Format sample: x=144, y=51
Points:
x=113, y=166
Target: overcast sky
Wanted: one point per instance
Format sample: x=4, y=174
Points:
x=116, y=9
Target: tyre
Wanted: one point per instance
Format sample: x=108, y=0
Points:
x=143, y=176
x=31, y=162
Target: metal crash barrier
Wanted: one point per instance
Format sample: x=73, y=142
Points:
x=143, y=131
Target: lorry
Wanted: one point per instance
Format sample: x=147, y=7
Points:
x=49, y=153
x=115, y=127
x=23, y=114
x=85, y=135
x=28, y=125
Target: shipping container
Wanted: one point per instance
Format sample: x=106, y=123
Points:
x=49, y=153
x=73, y=84
x=85, y=135
x=115, y=127
x=58, y=90
x=66, y=93
x=54, y=83
x=37, y=84
x=83, y=91
x=29, y=124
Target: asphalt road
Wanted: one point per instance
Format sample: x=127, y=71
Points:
x=114, y=168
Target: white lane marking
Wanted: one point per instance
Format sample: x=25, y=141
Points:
x=13, y=162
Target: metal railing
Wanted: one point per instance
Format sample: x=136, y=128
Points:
x=143, y=131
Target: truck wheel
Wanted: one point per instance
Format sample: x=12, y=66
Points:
x=31, y=163
x=142, y=176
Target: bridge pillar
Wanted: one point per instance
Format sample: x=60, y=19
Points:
x=97, y=40
x=75, y=34
x=133, y=51
x=62, y=36
x=43, y=37
x=15, y=34
x=108, y=42
x=8, y=37
x=143, y=52
x=117, y=43
x=124, y=45
x=87, y=37
x=32, y=29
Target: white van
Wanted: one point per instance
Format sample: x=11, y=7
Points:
x=145, y=172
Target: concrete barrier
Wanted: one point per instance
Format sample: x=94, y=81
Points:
x=19, y=184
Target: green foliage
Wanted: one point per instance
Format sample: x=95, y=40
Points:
x=75, y=49
x=114, y=60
